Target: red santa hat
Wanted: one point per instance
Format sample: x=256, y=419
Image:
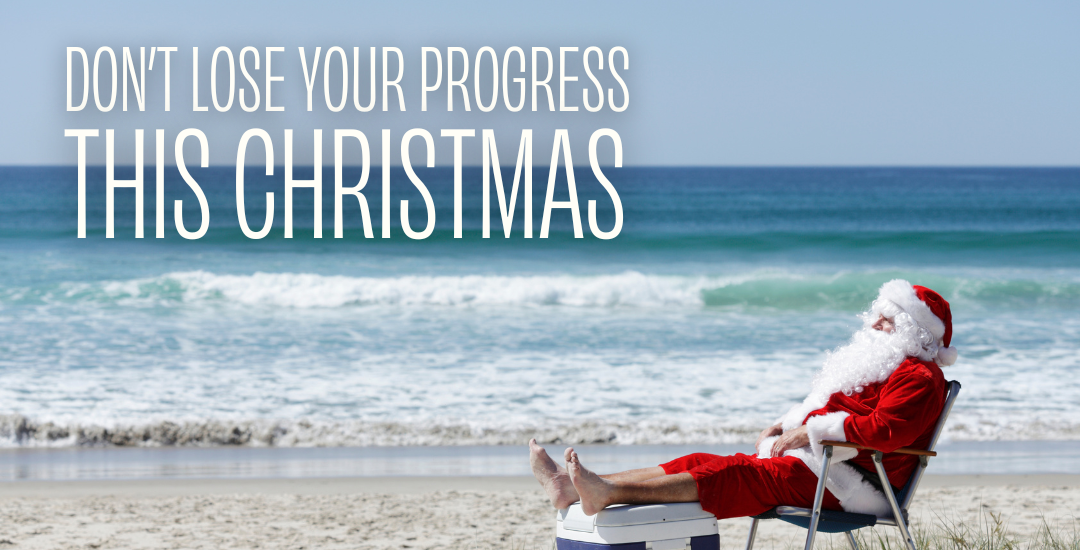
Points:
x=929, y=310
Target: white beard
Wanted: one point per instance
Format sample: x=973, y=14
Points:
x=869, y=358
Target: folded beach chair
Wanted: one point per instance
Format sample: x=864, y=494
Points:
x=829, y=521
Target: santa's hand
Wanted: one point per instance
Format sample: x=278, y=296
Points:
x=767, y=433
x=793, y=439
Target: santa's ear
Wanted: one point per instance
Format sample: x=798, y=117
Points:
x=946, y=356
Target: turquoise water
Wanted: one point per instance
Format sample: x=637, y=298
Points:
x=702, y=321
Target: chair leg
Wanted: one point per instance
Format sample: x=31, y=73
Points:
x=818, y=496
x=851, y=540
x=753, y=533
x=898, y=514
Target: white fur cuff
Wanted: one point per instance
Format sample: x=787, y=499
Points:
x=765, y=450
x=829, y=427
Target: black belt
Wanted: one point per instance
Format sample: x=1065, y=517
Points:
x=873, y=479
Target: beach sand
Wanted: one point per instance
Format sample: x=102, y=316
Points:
x=417, y=512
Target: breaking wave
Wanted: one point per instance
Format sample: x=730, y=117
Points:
x=756, y=290
x=302, y=290
x=20, y=431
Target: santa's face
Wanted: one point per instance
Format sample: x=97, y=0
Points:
x=884, y=324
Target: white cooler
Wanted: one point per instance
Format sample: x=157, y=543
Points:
x=645, y=527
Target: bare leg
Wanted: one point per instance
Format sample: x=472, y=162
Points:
x=597, y=493
x=552, y=477
x=557, y=484
x=637, y=475
x=629, y=475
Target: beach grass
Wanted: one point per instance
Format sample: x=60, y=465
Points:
x=944, y=532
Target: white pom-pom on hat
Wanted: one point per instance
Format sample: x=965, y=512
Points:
x=946, y=356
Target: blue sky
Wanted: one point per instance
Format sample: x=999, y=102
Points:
x=752, y=83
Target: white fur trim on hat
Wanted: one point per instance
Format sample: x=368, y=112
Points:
x=900, y=293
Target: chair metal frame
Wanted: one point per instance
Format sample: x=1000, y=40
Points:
x=847, y=522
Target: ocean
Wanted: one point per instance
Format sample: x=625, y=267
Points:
x=700, y=323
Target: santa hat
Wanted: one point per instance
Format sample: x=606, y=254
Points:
x=929, y=310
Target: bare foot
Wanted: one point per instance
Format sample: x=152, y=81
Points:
x=554, y=479
x=595, y=492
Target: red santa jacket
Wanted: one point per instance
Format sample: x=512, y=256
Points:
x=902, y=411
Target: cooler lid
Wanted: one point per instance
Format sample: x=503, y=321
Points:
x=621, y=515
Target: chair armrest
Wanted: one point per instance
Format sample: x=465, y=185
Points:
x=902, y=450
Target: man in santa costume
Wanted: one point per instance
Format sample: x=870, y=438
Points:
x=883, y=390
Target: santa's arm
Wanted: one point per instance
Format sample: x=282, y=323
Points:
x=910, y=402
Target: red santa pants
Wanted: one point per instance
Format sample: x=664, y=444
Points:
x=743, y=485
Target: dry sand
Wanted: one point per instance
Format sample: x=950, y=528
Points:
x=458, y=512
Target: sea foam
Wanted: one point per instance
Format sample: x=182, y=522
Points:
x=306, y=290
x=772, y=289
x=19, y=431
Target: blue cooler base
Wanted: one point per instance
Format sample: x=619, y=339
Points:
x=707, y=542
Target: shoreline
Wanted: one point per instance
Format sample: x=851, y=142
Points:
x=402, y=485
x=230, y=463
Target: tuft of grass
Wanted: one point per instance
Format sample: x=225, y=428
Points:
x=1047, y=539
x=990, y=532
